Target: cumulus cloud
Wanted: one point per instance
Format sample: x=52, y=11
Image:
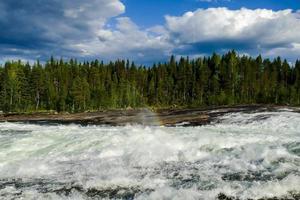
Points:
x=51, y=27
x=83, y=29
x=77, y=28
x=127, y=40
x=217, y=29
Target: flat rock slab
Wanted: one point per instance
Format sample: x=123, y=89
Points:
x=161, y=117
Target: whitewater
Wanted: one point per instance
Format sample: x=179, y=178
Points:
x=242, y=155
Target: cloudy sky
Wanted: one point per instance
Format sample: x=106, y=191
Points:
x=147, y=30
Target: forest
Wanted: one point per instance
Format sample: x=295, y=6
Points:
x=72, y=86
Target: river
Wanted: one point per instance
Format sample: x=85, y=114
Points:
x=244, y=156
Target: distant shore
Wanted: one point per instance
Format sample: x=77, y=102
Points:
x=164, y=117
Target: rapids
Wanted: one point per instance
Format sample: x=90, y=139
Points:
x=244, y=156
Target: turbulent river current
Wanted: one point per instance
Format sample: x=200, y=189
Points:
x=243, y=156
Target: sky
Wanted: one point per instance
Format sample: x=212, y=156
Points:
x=147, y=31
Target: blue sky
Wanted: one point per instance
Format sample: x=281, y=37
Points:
x=152, y=12
x=147, y=30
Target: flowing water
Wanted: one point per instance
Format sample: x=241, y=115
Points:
x=243, y=156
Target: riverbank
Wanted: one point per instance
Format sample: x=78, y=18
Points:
x=165, y=117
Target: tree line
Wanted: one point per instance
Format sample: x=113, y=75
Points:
x=75, y=86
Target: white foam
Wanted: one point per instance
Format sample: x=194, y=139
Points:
x=171, y=162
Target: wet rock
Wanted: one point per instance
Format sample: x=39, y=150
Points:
x=167, y=117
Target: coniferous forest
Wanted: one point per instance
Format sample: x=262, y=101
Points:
x=216, y=80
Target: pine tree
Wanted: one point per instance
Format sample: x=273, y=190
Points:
x=80, y=93
x=76, y=86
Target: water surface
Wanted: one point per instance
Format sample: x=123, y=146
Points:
x=245, y=156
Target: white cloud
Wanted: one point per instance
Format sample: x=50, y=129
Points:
x=92, y=9
x=127, y=40
x=53, y=27
x=291, y=53
x=79, y=28
x=222, y=23
x=253, y=30
x=83, y=19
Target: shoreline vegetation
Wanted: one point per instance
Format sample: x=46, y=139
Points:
x=142, y=116
x=74, y=87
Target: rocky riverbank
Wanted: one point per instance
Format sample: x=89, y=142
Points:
x=165, y=117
